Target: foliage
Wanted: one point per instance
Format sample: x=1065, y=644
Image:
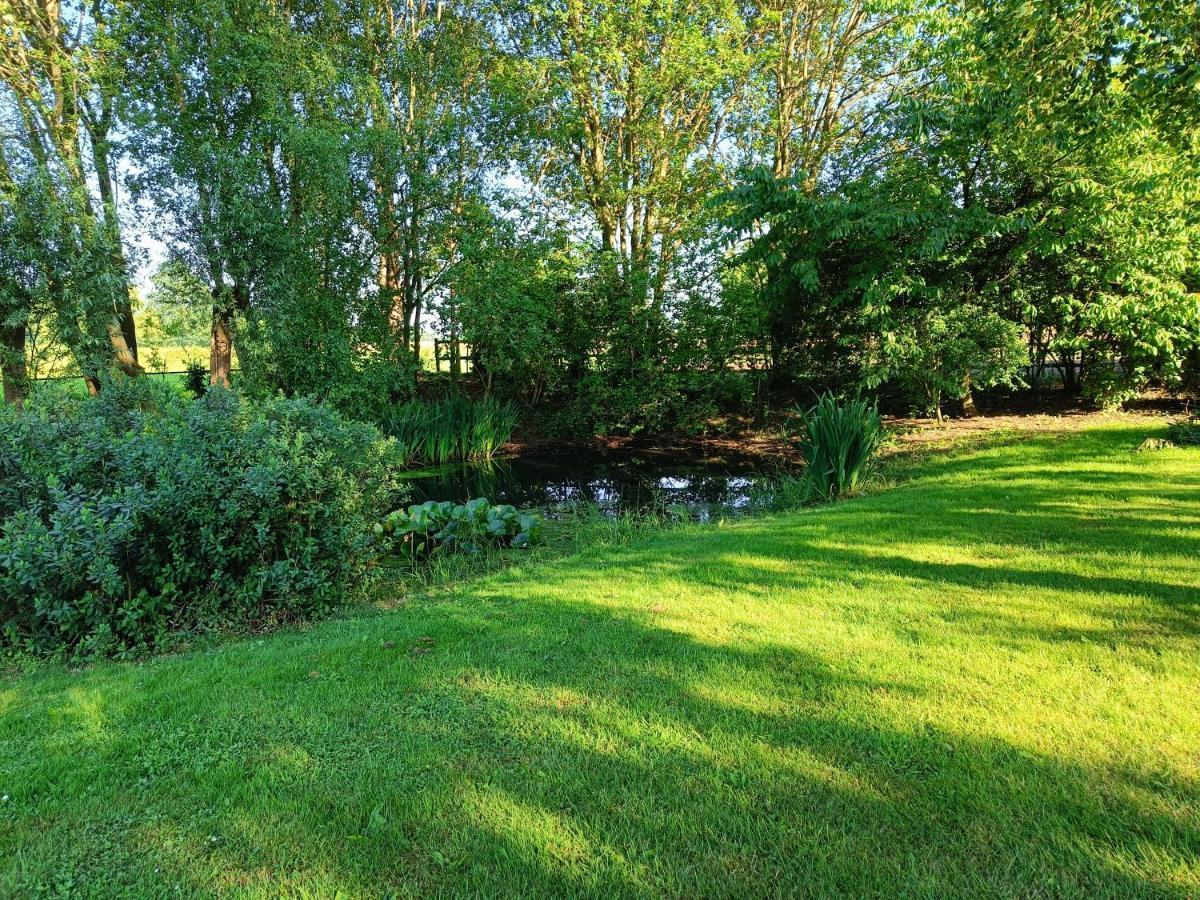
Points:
x=516, y=302
x=547, y=184
x=934, y=353
x=59, y=187
x=178, y=307
x=467, y=527
x=627, y=117
x=450, y=430
x=196, y=379
x=1185, y=433
x=1026, y=183
x=648, y=401
x=130, y=517
x=838, y=441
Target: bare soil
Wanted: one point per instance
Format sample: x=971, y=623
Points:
x=928, y=431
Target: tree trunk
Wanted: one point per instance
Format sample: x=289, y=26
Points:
x=120, y=331
x=12, y=340
x=416, y=331
x=129, y=333
x=220, y=347
x=968, y=400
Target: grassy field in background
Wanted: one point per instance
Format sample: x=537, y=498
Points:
x=982, y=682
x=174, y=359
x=157, y=357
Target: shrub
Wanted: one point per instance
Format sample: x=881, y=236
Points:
x=422, y=529
x=935, y=353
x=838, y=440
x=130, y=516
x=1185, y=433
x=450, y=430
x=650, y=401
x=196, y=379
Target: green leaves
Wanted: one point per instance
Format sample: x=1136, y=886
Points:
x=1023, y=194
x=838, y=440
x=432, y=526
x=131, y=517
x=450, y=430
x=937, y=350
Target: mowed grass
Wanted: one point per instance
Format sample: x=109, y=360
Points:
x=983, y=682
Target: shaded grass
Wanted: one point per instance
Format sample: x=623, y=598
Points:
x=980, y=683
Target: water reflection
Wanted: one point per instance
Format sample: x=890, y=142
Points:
x=612, y=481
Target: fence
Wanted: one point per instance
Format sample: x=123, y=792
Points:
x=455, y=354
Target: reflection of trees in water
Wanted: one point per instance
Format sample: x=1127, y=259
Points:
x=612, y=483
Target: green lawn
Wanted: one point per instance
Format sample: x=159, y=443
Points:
x=984, y=682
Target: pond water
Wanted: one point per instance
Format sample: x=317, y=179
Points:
x=614, y=481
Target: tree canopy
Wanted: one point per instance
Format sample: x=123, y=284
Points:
x=631, y=206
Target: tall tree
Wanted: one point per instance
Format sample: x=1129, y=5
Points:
x=1032, y=185
x=20, y=281
x=1048, y=116
x=828, y=73
x=57, y=81
x=222, y=95
x=420, y=71
x=630, y=120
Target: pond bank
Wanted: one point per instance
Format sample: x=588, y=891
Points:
x=770, y=446
x=767, y=445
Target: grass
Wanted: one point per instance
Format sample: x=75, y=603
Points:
x=153, y=357
x=164, y=363
x=982, y=682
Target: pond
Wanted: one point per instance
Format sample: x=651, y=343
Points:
x=613, y=481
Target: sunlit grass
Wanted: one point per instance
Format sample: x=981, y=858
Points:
x=982, y=682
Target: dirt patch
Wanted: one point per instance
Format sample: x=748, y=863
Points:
x=928, y=431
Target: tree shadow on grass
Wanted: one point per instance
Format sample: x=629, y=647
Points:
x=557, y=748
x=1128, y=562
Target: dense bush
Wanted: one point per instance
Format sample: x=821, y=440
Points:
x=450, y=430
x=1185, y=433
x=139, y=513
x=650, y=401
x=196, y=379
x=839, y=439
x=469, y=527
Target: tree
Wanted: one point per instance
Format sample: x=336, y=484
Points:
x=243, y=153
x=827, y=73
x=1026, y=181
x=629, y=123
x=22, y=286
x=1053, y=103
x=420, y=119
x=58, y=91
x=935, y=353
x=508, y=305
